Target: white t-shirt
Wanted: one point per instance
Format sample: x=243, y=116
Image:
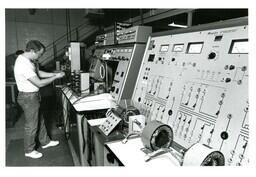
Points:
x=23, y=70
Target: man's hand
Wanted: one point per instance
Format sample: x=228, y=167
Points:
x=59, y=75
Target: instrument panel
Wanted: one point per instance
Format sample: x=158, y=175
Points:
x=197, y=82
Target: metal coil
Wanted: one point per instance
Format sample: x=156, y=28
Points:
x=157, y=135
x=202, y=155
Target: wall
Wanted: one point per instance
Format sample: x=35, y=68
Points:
x=46, y=25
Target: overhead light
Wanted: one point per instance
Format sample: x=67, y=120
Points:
x=176, y=25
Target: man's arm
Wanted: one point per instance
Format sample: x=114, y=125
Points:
x=43, y=74
x=43, y=82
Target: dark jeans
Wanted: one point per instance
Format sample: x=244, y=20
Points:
x=34, y=121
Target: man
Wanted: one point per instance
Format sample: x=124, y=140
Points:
x=29, y=80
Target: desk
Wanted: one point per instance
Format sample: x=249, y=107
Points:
x=131, y=155
x=99, y=139
x=81, y=105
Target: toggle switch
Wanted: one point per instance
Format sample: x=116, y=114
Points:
x=117, y=90
x=231, y=67
x=113, y=89
x=227, y=80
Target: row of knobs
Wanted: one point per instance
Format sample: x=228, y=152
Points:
x=120, y=58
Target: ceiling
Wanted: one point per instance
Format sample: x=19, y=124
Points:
x=200, y=16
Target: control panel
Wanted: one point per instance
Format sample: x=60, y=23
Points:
x=197, y=83
x=134, y=34
x=105, y=39
x=110, y=123
x=80, y=83
x=128, y=58
x=110, y=38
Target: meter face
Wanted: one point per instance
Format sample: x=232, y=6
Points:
x=178, y=47
x=239, y=47
x=195, y=48
x=164, y=48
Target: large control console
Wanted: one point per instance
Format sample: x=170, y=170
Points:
x=196, y=81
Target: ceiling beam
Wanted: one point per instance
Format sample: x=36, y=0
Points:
x=158, y=15
x=153, y=15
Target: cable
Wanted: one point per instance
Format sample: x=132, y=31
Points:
x=82, y=123
x=79, y=99
x=82, y=98
x=85, y=90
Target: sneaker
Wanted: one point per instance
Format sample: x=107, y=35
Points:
x=34, y=154
x=51, y=144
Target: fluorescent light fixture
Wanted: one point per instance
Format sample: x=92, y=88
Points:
x=176, y=25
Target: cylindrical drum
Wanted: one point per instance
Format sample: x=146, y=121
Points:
x=156, y=135
x=202, y=155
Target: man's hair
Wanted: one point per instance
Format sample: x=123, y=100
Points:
x=18, y=52
x=34, y=45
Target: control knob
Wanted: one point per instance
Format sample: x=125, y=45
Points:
x=212, y=55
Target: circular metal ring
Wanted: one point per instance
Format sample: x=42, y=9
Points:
x=203, y=155
x=157, y=135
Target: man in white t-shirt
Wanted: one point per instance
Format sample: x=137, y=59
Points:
x=29, y=79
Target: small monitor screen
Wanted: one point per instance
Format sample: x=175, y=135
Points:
x=178, y=47
x=239, y=47
x=195, y=48
x=164, y=48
